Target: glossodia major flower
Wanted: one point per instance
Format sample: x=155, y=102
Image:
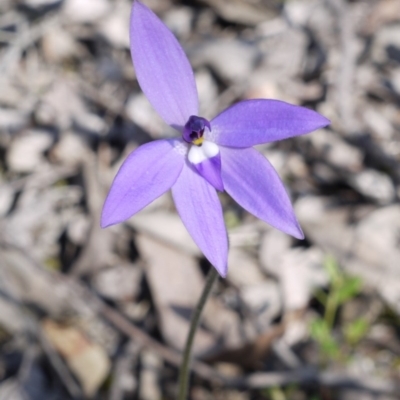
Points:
x=209, y=155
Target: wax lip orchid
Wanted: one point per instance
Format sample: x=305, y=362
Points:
x=209, y=155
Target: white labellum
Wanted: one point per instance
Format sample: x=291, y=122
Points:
x=198, y=154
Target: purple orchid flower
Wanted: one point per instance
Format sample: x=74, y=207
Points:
x=210, y=155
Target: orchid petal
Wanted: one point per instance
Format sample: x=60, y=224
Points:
x=253, y=122
x=201, y=212
x=207, y=162
x=254, y=184
x=146, y=174
x=210, y=170
x=162, y=68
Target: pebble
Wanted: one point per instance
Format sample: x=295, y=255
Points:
x=374, y=185
x=86, y=11
x=231, y=59
x=59, y=45
x=119, y=283
x=386, y=44
x=115, y=27
x=26, y=152
x=179, y=20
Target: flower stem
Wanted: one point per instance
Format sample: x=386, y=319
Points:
x=184, y=370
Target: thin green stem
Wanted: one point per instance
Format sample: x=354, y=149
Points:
x=184, y=370
x=331, y=309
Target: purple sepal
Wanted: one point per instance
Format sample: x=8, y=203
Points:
x=210, y=170
x=253, y=122
x=162, y=68
x=253, y=183
x=146, y=174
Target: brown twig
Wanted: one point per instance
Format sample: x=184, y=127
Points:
x=310, y=376
x=169, y=355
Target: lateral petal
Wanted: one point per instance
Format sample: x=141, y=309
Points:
x=162, y=68
x=145, y=175
x=200, y=209
x=254, y=184
x=253, y=122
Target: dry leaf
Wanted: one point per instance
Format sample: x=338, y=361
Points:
x=88, y=361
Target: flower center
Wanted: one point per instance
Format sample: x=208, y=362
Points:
x=204, y=155
x=194, y=130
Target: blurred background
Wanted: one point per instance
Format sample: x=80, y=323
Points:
x=103, y=314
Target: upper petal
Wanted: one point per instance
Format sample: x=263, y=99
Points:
x=162, y=68
x=201, y=212
x=146, y=174
x=253, y=183
x=252, y=122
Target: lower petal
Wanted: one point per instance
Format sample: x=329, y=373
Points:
x=206, y=159
x=201, y=212
x=145, y=175
x=210, y=170
x=254, y=184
